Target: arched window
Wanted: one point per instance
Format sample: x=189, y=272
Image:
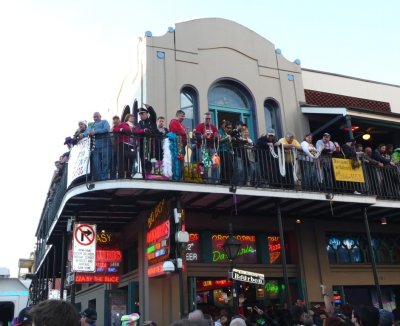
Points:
x=189, y=104
x=228, y=95
x=230, y=101
x=272, y=117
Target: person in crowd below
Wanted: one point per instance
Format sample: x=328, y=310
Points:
x=237, y=322
x=223, y=318
x=287, y=166
x=149, y=323
x=78, y=135
x=54, y=313
x=177, y=127
x=334, y=321
x=365, y=316
x=130, y=320
x=249, y=159
x=24, y=318
x=207, y=142
x=101, y=154
x=308, y=164
x=124, y=150
x=385, y=318
x=226, y=151
x=196, y=315
x=267, y=158
x=88, y=317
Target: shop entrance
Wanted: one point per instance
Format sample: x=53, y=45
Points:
x=210, y=294
x=234, y=115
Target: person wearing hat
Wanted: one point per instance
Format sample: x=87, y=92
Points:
x=325, y=145
x=89, y=317
x=267, y=158
x=147, y=123
x=78, y=135
x=69, y=142
x=24, y=318
x=148, y=119
x=130, y=320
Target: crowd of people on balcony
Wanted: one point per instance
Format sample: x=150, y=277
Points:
x=224, y=154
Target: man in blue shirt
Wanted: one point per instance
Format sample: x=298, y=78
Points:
x=99, y=131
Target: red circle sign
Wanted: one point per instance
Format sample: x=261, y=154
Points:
x=84, y=234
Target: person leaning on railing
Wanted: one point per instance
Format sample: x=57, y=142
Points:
x=101, y=154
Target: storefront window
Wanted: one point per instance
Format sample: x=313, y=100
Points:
x=247, y=251
x=353, y=248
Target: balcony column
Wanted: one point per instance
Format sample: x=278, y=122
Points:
x=63, y=259
x=373, y=262
x=349, y=126
x=283, y=254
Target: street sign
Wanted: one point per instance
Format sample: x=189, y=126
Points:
x=84, y=248
x=249, y=277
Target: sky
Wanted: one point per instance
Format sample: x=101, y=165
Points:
x=61, y=60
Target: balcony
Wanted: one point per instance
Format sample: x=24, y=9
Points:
x=248, y=181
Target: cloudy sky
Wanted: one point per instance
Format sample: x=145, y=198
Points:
x=61, y=60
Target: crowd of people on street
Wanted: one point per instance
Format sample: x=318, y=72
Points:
x=63, y=313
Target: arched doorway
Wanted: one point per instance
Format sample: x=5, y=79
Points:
x=228, y=100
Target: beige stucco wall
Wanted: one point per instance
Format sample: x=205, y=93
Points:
x=350, y=86
x=204, y=51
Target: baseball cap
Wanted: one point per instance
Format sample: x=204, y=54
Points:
x=326, y=134
x=90, y=314
x=68, y=140
x=143, y=110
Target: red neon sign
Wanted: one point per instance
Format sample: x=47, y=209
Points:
x=107, y=255
x=155, y=270
x=94, y=278
x=158, y=233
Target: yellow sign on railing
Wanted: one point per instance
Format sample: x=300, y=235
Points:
x=344, y=170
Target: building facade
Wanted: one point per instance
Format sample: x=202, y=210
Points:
x=298, y=238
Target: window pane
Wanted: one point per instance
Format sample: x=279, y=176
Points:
x=227, y=95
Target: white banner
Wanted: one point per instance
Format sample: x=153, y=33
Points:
x=78, y=162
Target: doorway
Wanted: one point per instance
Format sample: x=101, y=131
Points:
x=219, y=114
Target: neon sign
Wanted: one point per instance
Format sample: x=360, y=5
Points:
x=274, y=249
x=158, y=233
x=155, y=270
x=94, y=278
x=193, y=247
x=212, y=284
x=247, y=251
